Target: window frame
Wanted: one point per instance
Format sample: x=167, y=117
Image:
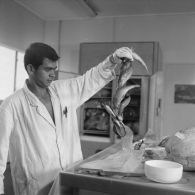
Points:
x=15, y=67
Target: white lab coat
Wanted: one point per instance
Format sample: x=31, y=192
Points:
x=38, y=148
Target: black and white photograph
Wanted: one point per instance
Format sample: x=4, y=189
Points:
x=185, y=94
x=97, y=97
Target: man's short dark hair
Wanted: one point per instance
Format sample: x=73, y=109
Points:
x=36, y=53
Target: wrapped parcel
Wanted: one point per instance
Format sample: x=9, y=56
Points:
x=181, y=148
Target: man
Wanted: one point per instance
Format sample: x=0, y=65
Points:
x=38, y=123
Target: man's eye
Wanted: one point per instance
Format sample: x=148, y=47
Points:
x=48, y=69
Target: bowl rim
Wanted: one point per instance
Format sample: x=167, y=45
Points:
x=152, y=163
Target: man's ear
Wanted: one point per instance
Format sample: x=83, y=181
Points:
x=30, y=69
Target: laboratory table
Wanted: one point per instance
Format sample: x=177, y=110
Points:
x=123, y=185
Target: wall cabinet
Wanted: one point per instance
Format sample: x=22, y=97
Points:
x=93, y=53
x=96, y=125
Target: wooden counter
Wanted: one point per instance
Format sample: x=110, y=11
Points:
x=124, y=185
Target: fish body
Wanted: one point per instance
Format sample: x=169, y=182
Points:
x=120, y=94
x=126, y=72
x=119, y=101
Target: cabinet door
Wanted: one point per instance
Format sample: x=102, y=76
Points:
x=93, y=53
x=95, y=119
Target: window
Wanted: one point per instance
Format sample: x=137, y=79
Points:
x=12, y=74
x=7, y=61
x=21, y=74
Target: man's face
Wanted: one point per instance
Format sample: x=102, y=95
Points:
x=45, y=73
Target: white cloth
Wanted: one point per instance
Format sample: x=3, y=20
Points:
x=38, y=148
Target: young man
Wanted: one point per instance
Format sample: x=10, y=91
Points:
x=38, y=123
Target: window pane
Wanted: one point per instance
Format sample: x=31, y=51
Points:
x=21, y=74
x=7, y=62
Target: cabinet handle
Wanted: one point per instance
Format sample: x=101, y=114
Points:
x=158, y=107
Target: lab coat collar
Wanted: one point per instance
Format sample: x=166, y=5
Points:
x=35, y=102
x=32, y=98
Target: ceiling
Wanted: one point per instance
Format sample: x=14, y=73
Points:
x=78, y=9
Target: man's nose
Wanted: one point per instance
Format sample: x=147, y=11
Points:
x=52, y=74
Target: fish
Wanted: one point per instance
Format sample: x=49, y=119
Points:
x=119, y=127
x=123, y=105
x=120, y=101
x=120, y=94
x=126, y=69
x=126, y=72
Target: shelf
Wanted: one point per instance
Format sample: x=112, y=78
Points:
x=94, y=132
x=102, y=97
x=95, y=138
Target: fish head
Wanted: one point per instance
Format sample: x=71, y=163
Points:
x=136, y=57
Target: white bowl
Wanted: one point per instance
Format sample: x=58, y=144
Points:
x=163, y=171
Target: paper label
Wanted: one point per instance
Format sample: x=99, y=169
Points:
x=180, y=135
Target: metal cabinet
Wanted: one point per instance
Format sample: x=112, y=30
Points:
x=95, y=121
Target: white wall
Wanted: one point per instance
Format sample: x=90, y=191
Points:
x=74, y=32
x=177, y=115
x=51, y=34
x=175, y=34
x=18, y=27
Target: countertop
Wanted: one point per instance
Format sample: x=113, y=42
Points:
x=118, y=184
